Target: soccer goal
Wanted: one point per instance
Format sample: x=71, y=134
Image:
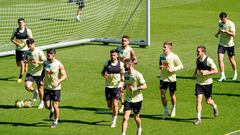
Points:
x=53, y=22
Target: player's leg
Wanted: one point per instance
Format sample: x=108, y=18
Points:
x=163, y=90
x=122, y=101
x=136, y=109
x=28, y=86
x=198, y=108
x=231, y=58
x=56, y=100
x=199, y=94
x=172, y=89
x=221, y=52
x=209, y=100
x=127, y=112
x=115, y=98
x=47, y=103
x=41, y=94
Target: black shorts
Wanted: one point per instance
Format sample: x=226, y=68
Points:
x=81, y=3
x=230, y=50
x=112, y=93
x=52, y=95
x=203, y=89
x=21, y=55
x=136, y=107
x=171, y=85
x=37, y=79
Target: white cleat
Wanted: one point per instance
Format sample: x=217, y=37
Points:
x=234, y=77
x=222, y=79
x=78, y=18
x=41, y=105
x=113, y=125
x=197, y=122
x=173, y=114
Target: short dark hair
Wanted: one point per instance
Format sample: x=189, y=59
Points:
x=204, y=49
x=113, y=51
x=51, y=51
x=30, y=41
x=223, y=15
x=125, y=36
x=21, y=19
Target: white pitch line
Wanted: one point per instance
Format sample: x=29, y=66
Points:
x=237, y=131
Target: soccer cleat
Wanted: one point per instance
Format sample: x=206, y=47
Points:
x=215, y=112
x=234, y=77
x=19, y=80
x=165, y=114
x=113, y=125
x=51, y=115
x=41, y=105
x=78, y=18
x=173, y=114
x=121, y=109
x=35, y=95
x=222, y=79
x=197, y=122
x=54, y=125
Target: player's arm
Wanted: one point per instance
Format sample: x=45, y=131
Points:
x=133, y=56
x=218, y=32
x=213, y=69
x=12, y=39
x=63, y=76
x=195, y=73
x=29, y=33
x=177, y=64
x=104, y=71
x=230, y=33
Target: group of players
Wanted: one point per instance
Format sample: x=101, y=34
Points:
x=121, y=77
x=47, y=72
x=122, y=81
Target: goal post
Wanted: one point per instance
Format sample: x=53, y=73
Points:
x=54, y=25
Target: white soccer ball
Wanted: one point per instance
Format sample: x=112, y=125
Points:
x=28, y=103
x=19, y=103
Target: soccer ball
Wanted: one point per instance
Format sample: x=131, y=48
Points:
x=28, y=103
x=19, y=103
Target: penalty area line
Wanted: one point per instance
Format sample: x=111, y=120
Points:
x=231, y=133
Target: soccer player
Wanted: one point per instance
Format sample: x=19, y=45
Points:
x=169, y=63
x=18, y=38
x=113, y=72
x=35, y=72
x=54, y=75
x=205, y=68
x=227, y=32
x=135, y=83
x=125, y=52
x=81, y=5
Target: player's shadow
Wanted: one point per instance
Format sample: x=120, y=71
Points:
x=15, y=124
x=7, y=107
x=227, y=94
x=187, y=120
x=13, y=79
x=183, y=77
x=94, y=109
x=53, y=19
x=94, y=123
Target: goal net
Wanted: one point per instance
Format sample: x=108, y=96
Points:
x=53, y=22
